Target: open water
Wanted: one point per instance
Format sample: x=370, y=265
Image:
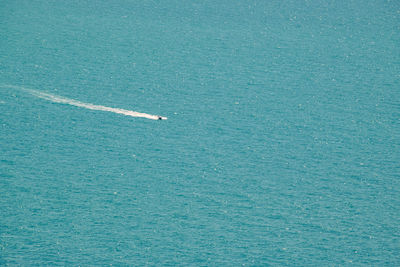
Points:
x=281, y=147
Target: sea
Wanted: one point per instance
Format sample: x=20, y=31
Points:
x=278, y=143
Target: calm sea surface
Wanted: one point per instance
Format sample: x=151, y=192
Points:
x=282, y=144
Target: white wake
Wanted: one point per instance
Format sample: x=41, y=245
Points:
x=72, y=102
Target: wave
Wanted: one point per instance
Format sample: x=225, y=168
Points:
x=72, y=102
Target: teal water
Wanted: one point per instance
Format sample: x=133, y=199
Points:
x=281, y=145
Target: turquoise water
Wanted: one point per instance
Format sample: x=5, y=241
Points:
x=281, y=145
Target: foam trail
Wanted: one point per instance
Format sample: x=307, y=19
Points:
x=72, y=102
